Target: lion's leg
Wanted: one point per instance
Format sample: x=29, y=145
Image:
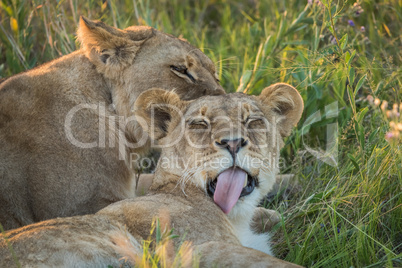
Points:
x=264, y=219
x=143, y=184
x=15, y=209
x=83, y=241
x=10, y=221
x=221, y=254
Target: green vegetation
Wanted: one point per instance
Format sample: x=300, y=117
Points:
x=348, y=209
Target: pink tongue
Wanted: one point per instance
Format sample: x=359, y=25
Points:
x=228, y=188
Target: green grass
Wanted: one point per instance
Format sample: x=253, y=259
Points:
x=346, y=214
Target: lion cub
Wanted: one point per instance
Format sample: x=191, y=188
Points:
x=219, y=158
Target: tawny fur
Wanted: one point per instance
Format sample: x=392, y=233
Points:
x=178, y=195
x=43, y=174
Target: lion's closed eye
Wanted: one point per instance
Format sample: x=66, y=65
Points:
x=182, y=72
x=255, y=122
x=198, y=124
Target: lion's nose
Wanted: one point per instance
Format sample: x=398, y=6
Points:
x=232, y=145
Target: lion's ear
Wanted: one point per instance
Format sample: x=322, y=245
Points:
x=109, y=46
x=286, y=104
x=156, y=108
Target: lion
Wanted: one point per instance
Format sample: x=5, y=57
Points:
x=66, y=128
x=219, y=158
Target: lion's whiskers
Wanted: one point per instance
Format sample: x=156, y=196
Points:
x=187, y=175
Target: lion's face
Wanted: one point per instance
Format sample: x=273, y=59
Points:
x=140, y=57
x=227, y=145
x=173, y=64
x=233, y=146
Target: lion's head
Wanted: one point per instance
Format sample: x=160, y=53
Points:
x=140, y=57
x=226, y=145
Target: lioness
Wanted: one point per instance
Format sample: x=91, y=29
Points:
x=66, y=132
x=207, y=184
